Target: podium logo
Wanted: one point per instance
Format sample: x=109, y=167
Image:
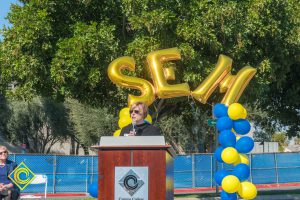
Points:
x=131, y=182
x=22, y=176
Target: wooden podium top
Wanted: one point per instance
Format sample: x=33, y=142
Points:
x=109, y=143
x=137, y=147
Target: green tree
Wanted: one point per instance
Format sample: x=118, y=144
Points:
x=61, y=49
x=39, y=124
x=281, y=138
x=89, y=123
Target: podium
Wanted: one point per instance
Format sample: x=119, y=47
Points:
x=135, y=168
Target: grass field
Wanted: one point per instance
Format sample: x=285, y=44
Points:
x=291, y=192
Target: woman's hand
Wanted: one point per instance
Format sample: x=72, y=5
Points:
x=131, y=133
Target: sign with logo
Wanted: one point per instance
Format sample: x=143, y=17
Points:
x=131, y=183
x=22, y=176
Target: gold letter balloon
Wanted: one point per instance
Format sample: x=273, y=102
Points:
x=233, y=85
x=160, y=75
x=145, y=87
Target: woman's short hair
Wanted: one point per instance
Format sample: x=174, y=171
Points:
x=3, y=148
x=143, y=105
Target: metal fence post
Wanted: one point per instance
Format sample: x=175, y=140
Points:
x=216, y=162
x=54, y=173
x=276, y=168
x=250, y=167
x=92, y=171
x=87, y=174
x=193, y=171
x=211, y=171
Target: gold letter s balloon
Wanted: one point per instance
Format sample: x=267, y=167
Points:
x=160, y=75
x=116, y=76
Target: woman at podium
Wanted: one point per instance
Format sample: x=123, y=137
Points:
x=139, y=127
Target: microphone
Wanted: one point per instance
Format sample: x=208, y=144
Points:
x=133, y=126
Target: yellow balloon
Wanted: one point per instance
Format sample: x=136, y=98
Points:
x=247, y=190
x=243, y=158
x=160, y=75
x=230, y=184
x=238, y=137
x=144, y=86
x=117, y=133
x=124, y=121
x=234, y=85
x=236, y=111
x=149, y=119
x=230, y=155
x=206, y=88
x=245, y=114
x=124, y=112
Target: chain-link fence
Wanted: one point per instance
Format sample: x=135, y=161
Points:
x=75, y=173
x=197, y=170
x=65, y=173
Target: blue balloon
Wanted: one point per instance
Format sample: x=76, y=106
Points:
x=218, y=153
x=241, y=126
x=93, y=190
x=227, y=139
x=224, y=123
x=241, y=171
x=244, y=144
x=220, y=110
x=228, y=196
x=220, y=175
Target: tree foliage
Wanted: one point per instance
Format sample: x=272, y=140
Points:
x=281, y=138
x=89, y=123
x=39, y=124
x=61, y=49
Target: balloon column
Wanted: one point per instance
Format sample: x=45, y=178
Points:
x=233, y=126
x=124, y=120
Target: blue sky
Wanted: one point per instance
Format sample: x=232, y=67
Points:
x=4, y=9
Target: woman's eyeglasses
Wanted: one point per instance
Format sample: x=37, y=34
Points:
x=134, y=111
x=3, y=152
